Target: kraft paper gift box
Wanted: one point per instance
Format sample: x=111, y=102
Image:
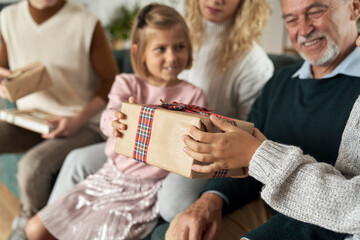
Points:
x=26, y=80
x=162, y=146
x=32, y=119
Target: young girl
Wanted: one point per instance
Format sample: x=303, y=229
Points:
x=119, y=200
x=228, y=65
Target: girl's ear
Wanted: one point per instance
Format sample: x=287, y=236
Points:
x=134, y=48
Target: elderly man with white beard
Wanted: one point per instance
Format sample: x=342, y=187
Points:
x=307, y=168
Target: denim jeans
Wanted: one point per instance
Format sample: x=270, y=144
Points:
x=41, y=162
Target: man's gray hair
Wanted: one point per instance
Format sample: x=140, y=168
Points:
x=342, y=1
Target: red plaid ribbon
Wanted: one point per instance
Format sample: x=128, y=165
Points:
x=192, y=109
x=143, y=133
x=145, y=125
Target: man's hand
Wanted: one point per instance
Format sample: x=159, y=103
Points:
x=202, y=220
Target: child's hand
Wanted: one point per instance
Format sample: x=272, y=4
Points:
x=132, y=100
x=232, y=149
x=116, y=124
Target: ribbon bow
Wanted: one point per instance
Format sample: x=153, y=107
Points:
x=192, y=109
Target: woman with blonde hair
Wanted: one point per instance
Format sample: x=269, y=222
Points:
x=229, y=66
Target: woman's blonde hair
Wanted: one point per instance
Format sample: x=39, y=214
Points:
x=150, y=17
x=250, y=19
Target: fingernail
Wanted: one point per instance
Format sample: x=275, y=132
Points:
x=185, y=149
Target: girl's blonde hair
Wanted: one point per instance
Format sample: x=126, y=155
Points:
x=150, y=17
x=250, y=19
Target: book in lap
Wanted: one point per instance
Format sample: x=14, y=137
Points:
x=26, y=80
x=34, y=120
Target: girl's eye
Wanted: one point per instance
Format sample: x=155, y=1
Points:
x=159, y=49
x=180, y=47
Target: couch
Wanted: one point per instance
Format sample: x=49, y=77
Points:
x=8, y=162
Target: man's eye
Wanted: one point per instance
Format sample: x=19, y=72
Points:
x=291, y=21
x=316, y=14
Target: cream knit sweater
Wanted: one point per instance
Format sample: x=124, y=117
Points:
x=230, y=93
x=62, y=46
x=318, y=193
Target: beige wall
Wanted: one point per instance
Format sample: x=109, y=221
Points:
x=273, y=40
x=274, y=37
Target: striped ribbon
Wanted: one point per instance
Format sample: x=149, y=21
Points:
x=144, y=128
x=143, y=133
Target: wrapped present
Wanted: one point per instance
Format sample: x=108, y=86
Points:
x=26, y=80
x=154, y=136
x=32, y=119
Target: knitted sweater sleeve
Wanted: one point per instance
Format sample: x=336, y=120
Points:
x=318, y=193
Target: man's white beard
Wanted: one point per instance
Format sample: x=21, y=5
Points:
x=331, y=52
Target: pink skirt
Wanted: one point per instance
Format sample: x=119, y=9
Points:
x=107, y=205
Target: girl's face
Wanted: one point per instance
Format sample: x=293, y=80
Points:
x=218, y=10
x=166, y=55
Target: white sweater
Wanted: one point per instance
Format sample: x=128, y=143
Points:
x=231, y=93
x=62, y=46
x=318, y=193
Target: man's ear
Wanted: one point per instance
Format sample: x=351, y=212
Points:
x=355, y=9
x=134, y=48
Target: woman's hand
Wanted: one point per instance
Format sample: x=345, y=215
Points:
x=3, y=74
x=116, y=124
x=65, y=127
x=233, y=148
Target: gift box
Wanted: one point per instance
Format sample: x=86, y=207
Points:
x=154, y=136
x=26, y=80
x=34, y=120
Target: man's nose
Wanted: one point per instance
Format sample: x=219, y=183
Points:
x=305, y=27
